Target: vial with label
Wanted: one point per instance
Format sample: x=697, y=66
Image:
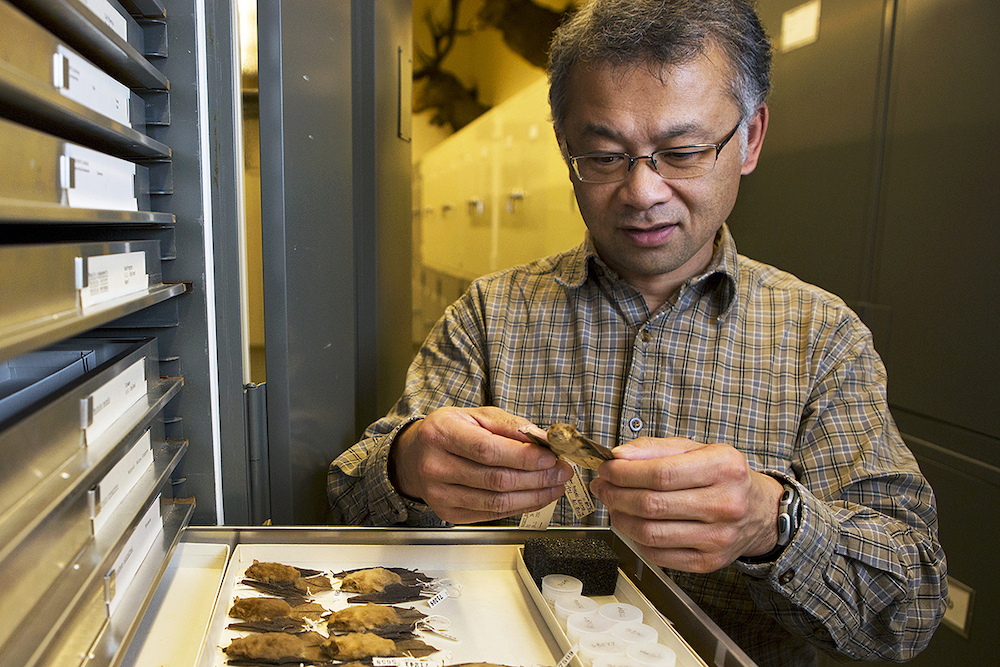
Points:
x=554, y=585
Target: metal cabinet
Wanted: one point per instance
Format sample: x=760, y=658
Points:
x=120, y=349
x=876, y=183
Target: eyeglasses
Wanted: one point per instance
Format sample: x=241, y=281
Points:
x=678, y=162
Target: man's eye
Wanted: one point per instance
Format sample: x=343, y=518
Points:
x=605, y=161
x=682, y=156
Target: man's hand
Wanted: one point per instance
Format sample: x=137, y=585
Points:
x=472, y=464
x=689, y=506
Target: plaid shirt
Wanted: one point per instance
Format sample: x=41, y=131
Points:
x=743, y=354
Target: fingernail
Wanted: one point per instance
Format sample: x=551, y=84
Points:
x=547, y=460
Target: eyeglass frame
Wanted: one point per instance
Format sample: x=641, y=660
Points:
x=633, y=160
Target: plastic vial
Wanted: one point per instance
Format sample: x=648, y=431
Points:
x=651, y=655
x=573, y=604
x=619, y=612
x=600, y=644
x=612, y=661
x=634, y=632
x=578, y=625
x=554, y=585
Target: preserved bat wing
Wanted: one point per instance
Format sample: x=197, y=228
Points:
x=568, y=443
x=279, y=624
x=264, y=614
x=392, y=594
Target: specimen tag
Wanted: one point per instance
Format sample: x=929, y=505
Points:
x=539, y=519
x=579, y=496
x=405, y=662
x=569, y=655
x=437, y=599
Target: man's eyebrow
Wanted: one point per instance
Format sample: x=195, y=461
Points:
x=673, y=132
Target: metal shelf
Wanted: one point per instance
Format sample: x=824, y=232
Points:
x=32, y=102
x=72, y=623
x=40, y=286
x=75, y=24
x=84, y=469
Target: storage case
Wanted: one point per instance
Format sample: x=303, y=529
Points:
x=498, y=616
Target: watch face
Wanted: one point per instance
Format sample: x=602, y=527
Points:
x=784, y=529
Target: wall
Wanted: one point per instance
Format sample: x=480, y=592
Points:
x=493, y=195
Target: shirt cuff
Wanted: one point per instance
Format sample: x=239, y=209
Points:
x=806, y=556
x=405, y=510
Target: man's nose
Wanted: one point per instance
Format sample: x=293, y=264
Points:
x=643, y=187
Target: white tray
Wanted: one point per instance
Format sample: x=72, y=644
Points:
x=500, y=616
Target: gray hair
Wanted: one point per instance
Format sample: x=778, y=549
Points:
x=662, y=33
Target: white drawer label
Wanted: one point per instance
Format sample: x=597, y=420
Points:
x=112, y=400
x=112, y=276
x=102, y=9
x=127, y=565
x=121, y=479
x=91, y=179
x=77, y=79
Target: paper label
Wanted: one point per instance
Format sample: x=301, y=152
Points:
x=406, y=662
x=134, y=551
x=122, y=478
x=579, y=495
x=112, y=400
x=77, y=79
x=539, y=519
x=569, y=656
x=112, y=276
x=437, y=599
x=103, y=10
x=91, y=179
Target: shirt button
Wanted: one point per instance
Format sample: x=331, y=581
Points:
x=786, y=577
x=635, y=424
x=645, y=336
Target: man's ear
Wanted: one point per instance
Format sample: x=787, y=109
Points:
x=755, y=139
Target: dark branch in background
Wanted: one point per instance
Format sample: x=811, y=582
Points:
x=454, y=104
x=527, y=30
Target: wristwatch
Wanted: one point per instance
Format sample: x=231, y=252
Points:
x=789, y=514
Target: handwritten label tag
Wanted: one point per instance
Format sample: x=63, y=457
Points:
x=539, y=519
x=579, y=495
x=102, y=10
x=112, y=400
x=112, y=276
x=74, y=77
x=91, y=179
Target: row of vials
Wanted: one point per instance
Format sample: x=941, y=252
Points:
x=608, y=635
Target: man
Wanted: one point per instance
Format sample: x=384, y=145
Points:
x=756, y=457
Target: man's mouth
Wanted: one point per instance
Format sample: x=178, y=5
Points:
x=649, y=237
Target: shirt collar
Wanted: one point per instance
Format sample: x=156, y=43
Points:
x=720, y=277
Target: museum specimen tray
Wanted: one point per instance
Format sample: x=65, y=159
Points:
x=494, y=614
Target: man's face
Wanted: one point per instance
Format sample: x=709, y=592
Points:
x=657, y=233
